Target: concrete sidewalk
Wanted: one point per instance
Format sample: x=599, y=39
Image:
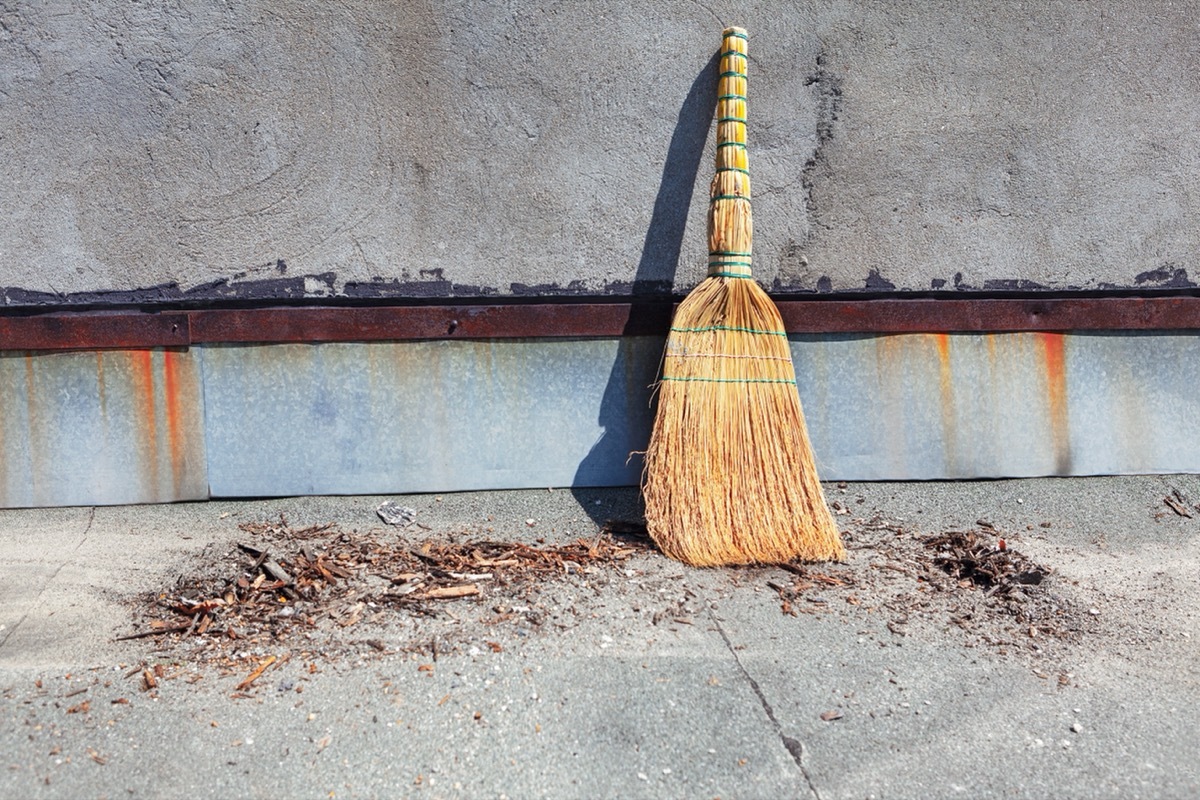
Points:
x=649, y=679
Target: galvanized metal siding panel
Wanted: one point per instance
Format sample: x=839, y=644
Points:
x=1134, y=403
x=100, y=428
x=425, y=416
x=930, y=406
x=130, y=426
x=441, y=416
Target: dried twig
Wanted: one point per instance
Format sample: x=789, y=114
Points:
x=256, y=674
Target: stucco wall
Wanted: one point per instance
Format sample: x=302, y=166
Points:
x=277, y=149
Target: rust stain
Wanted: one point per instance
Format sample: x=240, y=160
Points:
x=889, y=351
x=174, y=413
x=943, y=346
x=101, y=392
x=143, y=377
x=1053, y=352
x=946, y=393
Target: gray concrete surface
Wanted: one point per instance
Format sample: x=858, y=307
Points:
x=277, y=149
x=722, y=697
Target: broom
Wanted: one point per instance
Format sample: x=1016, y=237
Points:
x=729, y=476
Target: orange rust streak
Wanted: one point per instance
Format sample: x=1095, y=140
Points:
x=174, y=417
x=946, y=387
x=143, y=369
x=943, y=346
x=1056, y=376
x=1056, y=389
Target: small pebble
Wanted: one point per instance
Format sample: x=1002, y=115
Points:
x=1076, y=727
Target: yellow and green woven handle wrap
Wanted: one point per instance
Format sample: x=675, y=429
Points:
x=730, y=227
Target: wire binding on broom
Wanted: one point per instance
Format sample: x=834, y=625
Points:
x=730, y=477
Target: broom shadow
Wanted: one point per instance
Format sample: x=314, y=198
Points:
x=625, y=406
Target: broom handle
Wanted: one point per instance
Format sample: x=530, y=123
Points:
x=730, y=228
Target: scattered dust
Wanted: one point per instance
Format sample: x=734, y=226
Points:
x=320, y=592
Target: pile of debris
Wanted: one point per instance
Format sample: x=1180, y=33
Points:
x=293, y=580
x=972, y=579
x=801, y=588
x=983, y=561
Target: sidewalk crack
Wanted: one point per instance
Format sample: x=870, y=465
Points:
x=794, y=747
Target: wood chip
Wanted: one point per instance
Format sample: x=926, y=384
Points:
x=256, y=674
x=472, y=576
x=354, y=616
x=1178, y=507
x=448, y=592
x=155, y=630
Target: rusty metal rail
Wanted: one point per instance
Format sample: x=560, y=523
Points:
x=99, y=330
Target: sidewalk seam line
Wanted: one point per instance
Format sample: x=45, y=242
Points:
x=63, y=563
x=794, y=747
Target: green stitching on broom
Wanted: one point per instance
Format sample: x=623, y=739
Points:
x=708, y=328
x=729, y=380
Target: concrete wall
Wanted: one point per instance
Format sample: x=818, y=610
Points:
x=279, y=149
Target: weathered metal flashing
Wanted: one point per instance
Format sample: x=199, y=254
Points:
x=102, y=427
x=132, y=328
x=94, y=331
x=366, y=417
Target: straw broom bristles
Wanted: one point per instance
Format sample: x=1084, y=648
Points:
x=730, y=477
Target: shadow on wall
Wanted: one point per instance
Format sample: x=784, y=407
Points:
x=625, y=428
